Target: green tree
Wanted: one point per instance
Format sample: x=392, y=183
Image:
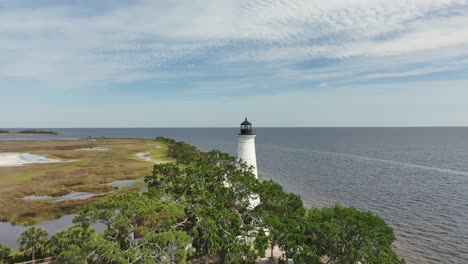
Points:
x=347, y=235
x=74, y=244
x=165, y=173
x=72, y=255
x=183, y=152
x=215, y=190
x=33, y=241
x=4, y=253
x=158, y=224
x=93, y=249
x=261, y=242
x=282, y=214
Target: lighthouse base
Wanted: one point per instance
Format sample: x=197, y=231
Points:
x=246, y=151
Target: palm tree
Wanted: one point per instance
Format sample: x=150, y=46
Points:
x=33, y=241
x=4, y=253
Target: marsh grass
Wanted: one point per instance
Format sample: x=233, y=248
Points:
x=82, y=171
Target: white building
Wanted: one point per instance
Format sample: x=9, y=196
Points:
x=246, y=152
x=246, y=145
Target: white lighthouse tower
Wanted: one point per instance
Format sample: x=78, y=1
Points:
x=246, y=145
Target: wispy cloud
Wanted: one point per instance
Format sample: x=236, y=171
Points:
x=61, y=40
x=220, y=48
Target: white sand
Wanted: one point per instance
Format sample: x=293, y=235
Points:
x=20, y=159
x=145, y=156
x=124, y=183
x=94, y=149
x=76, y=196
x=67, y=197
x=37, y=197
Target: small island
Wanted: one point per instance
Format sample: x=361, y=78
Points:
x=35, y=131
x=28, y=132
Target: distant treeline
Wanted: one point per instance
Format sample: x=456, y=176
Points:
x=34, y=131
x=30, y=131
x=181, y=151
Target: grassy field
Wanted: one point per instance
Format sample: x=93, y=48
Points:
x=81, y=171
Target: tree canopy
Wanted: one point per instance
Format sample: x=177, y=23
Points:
x=215, y=189
x=200, y=207
x=346, y=235
x=139, y=229
x=32, y=241
x=4, y=253
x=282, y=215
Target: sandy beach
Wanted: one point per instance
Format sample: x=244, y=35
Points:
x=20, y=159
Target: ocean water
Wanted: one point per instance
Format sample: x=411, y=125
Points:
x=415, y=178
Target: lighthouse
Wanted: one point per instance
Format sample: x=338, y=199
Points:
x=246, y=145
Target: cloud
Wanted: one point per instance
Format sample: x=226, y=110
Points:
x=69, y=46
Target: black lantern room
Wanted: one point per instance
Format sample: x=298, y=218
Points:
x=246, y=128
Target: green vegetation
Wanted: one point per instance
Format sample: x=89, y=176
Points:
x=5, y=253
x=30, y=131
x=81, y=171
x=35, y=131
x=184, y=153
x=199, y=209
x=218, y=216
x=347, y=235
x=33, y=241
x=282, y=214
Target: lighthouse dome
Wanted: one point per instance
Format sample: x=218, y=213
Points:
x=246, y=123
x=246, y=128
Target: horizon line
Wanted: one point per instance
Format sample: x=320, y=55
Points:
x=466, y=126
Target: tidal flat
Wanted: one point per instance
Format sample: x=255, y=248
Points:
x=80, y=171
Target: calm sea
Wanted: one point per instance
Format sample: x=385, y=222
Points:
x=415, y=178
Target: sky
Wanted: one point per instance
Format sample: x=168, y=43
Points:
x=206, y=63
